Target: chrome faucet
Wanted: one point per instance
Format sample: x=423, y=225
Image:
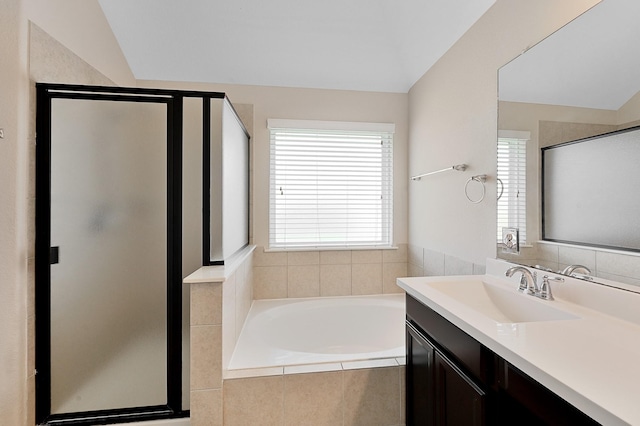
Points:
x=545, y=289
x=528, y=280
x=571, y=269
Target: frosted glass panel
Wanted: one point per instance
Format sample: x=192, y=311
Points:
x=108, y=291
x=590, y=191
x=235, y=181
x=216, y=187
x=229, y=179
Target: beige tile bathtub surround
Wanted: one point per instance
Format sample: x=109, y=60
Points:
x=303, y=281
x=366, y=278
x=335, y=280
x=336, y=257
x=244, y=294
x=303, y=258
x=230, y=334
x=372, y=397
x=203, y=309
x=206, y=357
x=263, y=258
x=313, y=399
x=220, y=299
x=329, y=394
x=366, y=256
x=254, y=401
x=206, y=408
x=395, y=256
x=356, y=393
x=328, y=272
x=390, y=272
x=270, y=282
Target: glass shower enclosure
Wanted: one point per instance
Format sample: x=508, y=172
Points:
x=122, y=178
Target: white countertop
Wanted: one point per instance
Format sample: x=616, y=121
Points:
x=593, y=361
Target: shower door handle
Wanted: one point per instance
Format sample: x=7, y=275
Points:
x=54, y=255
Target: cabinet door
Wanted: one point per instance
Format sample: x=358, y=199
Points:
x=459, y=401
x=420, y=380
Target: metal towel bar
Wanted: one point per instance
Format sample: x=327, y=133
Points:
x=457, y=167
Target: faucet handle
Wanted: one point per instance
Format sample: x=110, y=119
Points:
x=523, y=284
x=532, y=288
x=545, y=289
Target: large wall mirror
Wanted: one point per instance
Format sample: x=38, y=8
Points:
x=580, y=82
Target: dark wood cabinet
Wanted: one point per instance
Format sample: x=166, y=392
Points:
x=452, y=379
x=438, y=391
x=420, y=379
x=458, y=400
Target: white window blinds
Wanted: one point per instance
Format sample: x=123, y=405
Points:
x=512, y=171
x=330, y=184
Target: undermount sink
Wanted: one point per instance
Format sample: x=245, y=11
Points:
x=501, y=305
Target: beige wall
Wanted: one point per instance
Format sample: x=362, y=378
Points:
x=80, y=25
x=313, y=104
x=16, y=177
x=14, y=90
x=452, y=120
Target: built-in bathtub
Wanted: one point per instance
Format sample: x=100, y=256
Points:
x=288, y=332
x=333, y=360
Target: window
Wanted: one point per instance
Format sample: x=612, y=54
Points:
x=512, y=171
x=330, y=184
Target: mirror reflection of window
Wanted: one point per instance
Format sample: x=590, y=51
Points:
x=512, y=172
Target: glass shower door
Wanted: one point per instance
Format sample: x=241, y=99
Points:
x=109, y=254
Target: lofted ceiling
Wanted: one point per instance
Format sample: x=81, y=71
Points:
x=366, y=45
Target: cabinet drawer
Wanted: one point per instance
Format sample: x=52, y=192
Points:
x=476, y=359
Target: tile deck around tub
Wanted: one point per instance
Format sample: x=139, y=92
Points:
x=313, y=368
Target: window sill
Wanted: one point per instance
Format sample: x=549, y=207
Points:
x=341, y=248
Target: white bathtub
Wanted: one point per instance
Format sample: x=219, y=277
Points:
x=318, y=330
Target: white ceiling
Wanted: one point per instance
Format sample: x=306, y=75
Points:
x=592, y=62
x=369, y=45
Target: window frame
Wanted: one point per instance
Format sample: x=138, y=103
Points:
x=278, y=240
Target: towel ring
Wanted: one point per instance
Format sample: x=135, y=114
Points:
x=501, y=188
x=481, y=180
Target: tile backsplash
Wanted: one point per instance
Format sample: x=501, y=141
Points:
x=426, y=262
x=608, y=264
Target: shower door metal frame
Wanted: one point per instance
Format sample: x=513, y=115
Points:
x=43, y=256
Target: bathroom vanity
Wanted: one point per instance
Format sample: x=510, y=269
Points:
x=481, y=353
x=453, y=379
